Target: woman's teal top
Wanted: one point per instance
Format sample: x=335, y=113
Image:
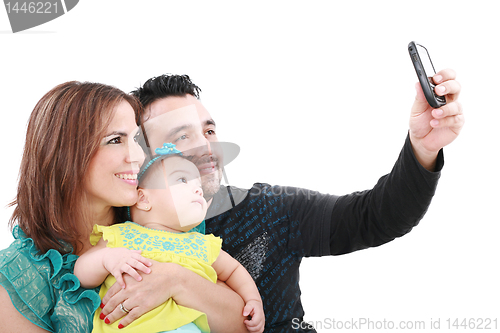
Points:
x=43, y=287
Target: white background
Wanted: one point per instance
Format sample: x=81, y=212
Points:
x=317, y=95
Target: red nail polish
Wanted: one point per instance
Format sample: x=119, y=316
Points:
x=102, y=316
x=107, y=321
x=120, y=326
x=102, y=305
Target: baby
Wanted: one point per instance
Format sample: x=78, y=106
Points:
x=170, y=205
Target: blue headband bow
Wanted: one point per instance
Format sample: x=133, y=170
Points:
x=166, y=149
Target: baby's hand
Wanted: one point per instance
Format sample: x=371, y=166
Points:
x=118, y=260
x=254, y=310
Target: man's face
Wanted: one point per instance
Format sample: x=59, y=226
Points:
x=185, y=122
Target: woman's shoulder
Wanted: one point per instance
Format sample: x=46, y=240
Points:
x=40, y=284
x=22, y=255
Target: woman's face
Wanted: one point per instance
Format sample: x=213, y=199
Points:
x=112, y=176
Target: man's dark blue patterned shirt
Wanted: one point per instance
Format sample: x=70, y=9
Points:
x=269, y=229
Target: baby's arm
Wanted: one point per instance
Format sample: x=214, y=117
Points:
x=236, y=276
x=93, y=266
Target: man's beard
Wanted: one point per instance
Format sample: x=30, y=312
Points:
x=210, y=183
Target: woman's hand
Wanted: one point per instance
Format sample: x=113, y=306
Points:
x=139, y=298
x=221, y=304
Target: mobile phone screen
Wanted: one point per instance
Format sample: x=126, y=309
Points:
x=425, y=71
x=426, y=62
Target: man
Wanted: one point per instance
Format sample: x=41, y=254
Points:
x=269, y=229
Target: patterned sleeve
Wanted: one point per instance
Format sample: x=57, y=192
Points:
x=215, y=244
x=106, y=233
x=44, y=289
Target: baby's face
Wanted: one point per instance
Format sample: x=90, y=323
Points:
x=181, y=203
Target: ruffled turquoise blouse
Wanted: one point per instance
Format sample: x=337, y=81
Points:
x=44, y=289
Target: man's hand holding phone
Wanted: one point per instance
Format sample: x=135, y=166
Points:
x=431, y=129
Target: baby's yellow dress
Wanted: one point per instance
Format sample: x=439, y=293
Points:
x=191, y=250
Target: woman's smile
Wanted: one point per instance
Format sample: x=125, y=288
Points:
x=128, y=177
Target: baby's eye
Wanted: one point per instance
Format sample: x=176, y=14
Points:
x=115, y=140
x=183, y=137
x=182, y=180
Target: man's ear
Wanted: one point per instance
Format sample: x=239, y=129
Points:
x=143, y=201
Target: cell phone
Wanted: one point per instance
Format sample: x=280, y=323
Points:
x=425, y=71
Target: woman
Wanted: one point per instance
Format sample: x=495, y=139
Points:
x=79, y=148
x=80, y=162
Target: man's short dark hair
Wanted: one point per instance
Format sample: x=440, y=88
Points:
x=164, y=86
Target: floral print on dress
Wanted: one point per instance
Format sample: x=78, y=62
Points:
x=189, y=244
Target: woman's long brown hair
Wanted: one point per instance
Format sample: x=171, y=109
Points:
x=64, y=133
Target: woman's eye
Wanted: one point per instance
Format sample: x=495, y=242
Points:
x=115, y=141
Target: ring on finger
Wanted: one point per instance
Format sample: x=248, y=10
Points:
x=123, y=308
